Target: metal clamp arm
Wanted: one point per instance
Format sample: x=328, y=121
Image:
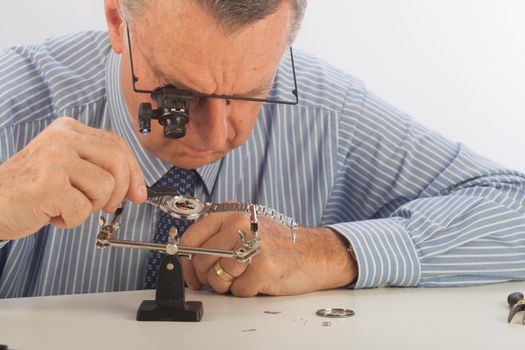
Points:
x=249, y=247
x=241, y=254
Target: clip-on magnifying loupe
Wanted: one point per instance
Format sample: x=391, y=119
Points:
x=172, y=111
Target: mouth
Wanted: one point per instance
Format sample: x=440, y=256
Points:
x=198, y=152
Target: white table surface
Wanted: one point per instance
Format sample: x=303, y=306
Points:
x=390, y=318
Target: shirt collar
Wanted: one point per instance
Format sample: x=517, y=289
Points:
x=121, y=124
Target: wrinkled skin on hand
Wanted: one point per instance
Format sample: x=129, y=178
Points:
x=318, y=260
x=64, y=175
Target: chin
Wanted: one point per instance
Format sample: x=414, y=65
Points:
x=178, y=154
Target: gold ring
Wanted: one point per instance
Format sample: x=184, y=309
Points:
x=223, y=275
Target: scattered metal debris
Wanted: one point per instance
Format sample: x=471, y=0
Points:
x=249, y=330
x=327, y=324
x=273, y=312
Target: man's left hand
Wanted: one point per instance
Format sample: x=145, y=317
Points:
x=319, y=259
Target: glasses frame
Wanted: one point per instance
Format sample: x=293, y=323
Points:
x=186, y=93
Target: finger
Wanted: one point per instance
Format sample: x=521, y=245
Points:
x=195, y=236
x=203, y=264
x=198, y=233
x=137, y=187
x=248, y=284
x=228, y=266
x=110, y=158
x=70, y=209
x=112, y=155
x=105, y=149
x=94, y=182
x=189, y=274
x=201, y=231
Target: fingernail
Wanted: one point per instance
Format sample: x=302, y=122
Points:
x=110, y=210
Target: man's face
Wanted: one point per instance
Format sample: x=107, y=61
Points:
x=178, y=42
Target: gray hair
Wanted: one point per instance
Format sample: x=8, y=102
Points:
x=233, y=15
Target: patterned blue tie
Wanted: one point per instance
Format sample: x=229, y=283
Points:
x=183, y=181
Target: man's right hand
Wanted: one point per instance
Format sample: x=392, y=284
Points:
x=64, y=175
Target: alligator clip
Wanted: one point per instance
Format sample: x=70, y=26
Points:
x=517, y=304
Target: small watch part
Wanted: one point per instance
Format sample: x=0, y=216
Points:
x=272, y=312
x=180, y=207
x=335, y=313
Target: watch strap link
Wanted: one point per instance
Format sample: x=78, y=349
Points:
x=260, y=209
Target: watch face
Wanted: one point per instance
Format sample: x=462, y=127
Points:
x=185, y=207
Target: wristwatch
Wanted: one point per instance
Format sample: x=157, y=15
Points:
x=186, y=207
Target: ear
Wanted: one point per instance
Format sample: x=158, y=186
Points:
x=116, y=24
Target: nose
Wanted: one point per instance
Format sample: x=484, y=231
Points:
x=209, y=122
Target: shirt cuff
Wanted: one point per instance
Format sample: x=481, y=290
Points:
x=385, y=253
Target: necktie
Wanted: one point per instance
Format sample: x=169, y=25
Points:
x=183, y=181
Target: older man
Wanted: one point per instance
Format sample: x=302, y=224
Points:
x=381, y=200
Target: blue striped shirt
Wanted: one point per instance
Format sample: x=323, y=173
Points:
x=418, y=209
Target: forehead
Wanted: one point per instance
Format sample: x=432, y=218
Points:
x=183, y=41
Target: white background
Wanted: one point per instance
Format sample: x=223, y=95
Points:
x=458, y=66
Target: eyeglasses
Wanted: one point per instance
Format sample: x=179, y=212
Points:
x=185, y=93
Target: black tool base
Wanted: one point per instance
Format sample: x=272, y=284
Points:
x=170, y=303
x=150, y=310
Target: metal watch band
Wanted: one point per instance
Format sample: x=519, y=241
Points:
x=158, y=201
x=260, y=209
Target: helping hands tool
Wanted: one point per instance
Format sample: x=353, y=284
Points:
x=169, y=303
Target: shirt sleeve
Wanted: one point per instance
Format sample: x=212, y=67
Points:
x=420, y=210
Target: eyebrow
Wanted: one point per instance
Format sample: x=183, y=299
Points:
x=255, y=92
